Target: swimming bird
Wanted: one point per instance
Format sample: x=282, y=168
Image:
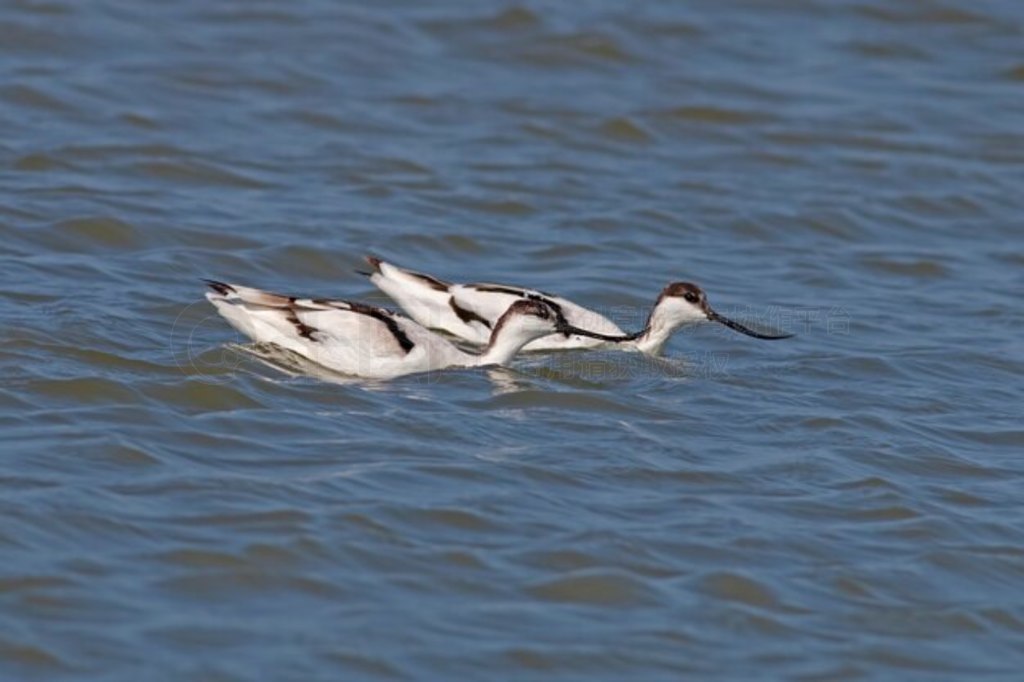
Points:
x=366, y=341
x=470, y=311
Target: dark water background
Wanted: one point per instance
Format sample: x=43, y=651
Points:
x=845, y=505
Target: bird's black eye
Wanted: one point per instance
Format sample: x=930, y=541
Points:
x=691, y=296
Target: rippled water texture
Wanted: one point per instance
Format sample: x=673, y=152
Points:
x=843, y=505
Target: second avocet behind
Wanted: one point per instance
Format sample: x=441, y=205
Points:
x=470, y=311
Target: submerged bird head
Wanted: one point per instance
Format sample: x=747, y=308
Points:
x=535, y=318
x=526, y=320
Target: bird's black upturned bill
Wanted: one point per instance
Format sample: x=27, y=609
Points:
x=715, y=317
x=568, y=329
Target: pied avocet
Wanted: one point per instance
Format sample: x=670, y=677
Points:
x=366, y=341
x=471, y=311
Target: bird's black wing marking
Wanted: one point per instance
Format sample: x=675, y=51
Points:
x=379, y=314
x=466, y=315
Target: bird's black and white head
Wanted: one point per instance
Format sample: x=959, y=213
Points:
x=682, y=304
x=529, y=319
x=539, y=318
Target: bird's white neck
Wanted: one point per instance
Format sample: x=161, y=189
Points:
x=667, y=316
x=654, y=336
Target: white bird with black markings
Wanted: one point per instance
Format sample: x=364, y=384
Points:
x=365, y=341
x=470, y=311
